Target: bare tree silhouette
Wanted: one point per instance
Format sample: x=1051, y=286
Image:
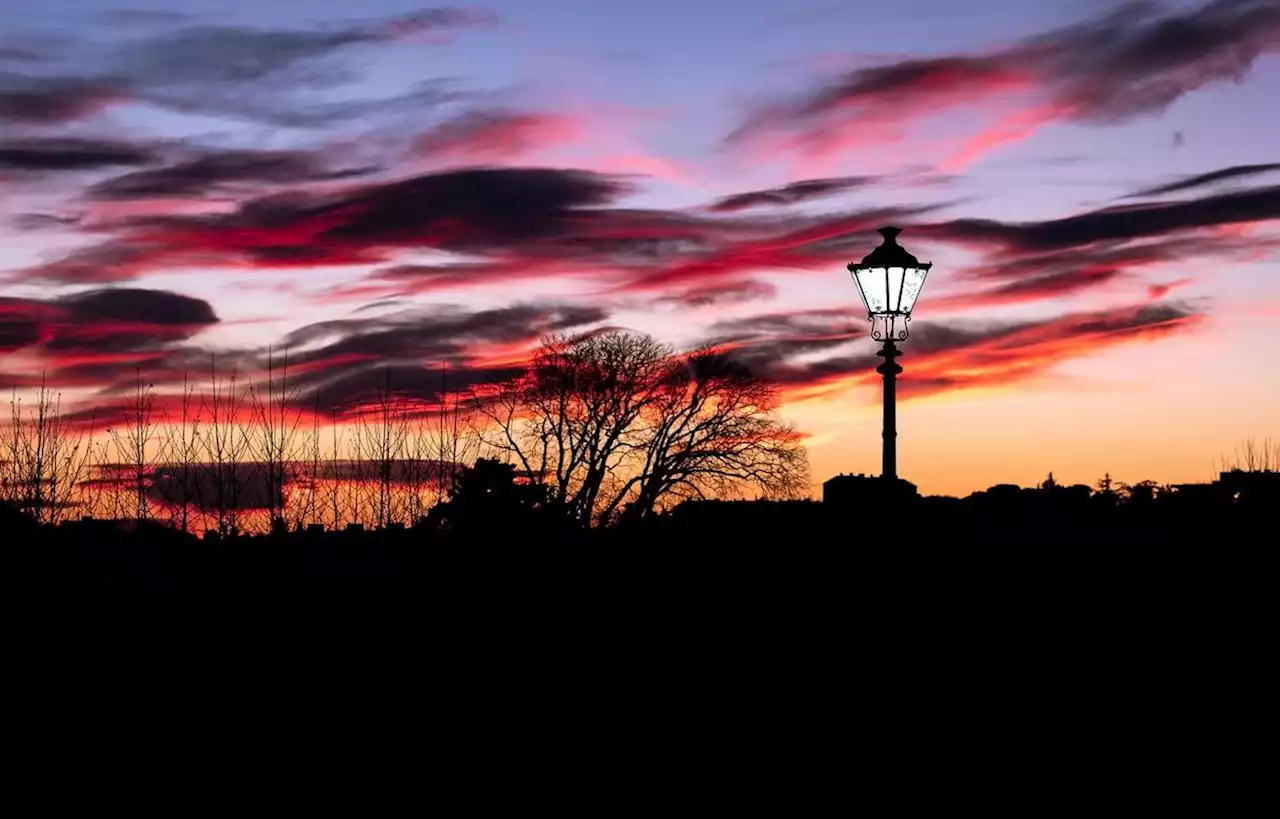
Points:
x=711, y=429
x=47, y=456
x=225, y=445
x=455, y=443
x=336, y=473
x=379, y=436
x=618, y=418
x=182, y=452
x=1253, y=455
x=138, y=445
x=276, y=419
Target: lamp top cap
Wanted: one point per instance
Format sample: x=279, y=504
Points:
x=889, y=253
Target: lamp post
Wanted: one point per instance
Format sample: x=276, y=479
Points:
x=889, y=279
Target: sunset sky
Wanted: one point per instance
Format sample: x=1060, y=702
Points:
x=379, y=184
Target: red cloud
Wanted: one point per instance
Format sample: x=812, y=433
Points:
x=94, y=337
x=941, y=357
x=488, y=135
x=1132, y=61
x=1008, y=129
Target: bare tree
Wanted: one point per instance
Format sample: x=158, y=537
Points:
x=311, y=507
x=711, y=430
x=225, y=447
x=566, y=420
x=380, y=435
x=454, y=442
x=337, y=476
x=1253, y=455
x=182, y=455
x=276, y=419
x=618, y=419
x=418, y=468
x=46, y=456
x=137, y=444
x=93, y=498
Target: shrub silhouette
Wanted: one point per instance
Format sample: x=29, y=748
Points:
x=489, y=496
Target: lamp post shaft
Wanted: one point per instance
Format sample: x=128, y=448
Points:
x=890, y=370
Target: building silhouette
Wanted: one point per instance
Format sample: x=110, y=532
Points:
x=855, y=492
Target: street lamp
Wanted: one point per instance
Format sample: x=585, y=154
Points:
x=889, y=279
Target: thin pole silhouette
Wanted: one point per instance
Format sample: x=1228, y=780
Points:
x=889, y=368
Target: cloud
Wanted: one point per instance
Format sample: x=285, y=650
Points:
x=223, y=56
x=774, y=245
x=1139, y=221
x=111, y=318
x=103, y=339
x=474, y=209
x=1204, y=179
x=721, y=293
x=43, y=221
x=71, y=154
x=348, y=360
x=516, y=223
x=266, y=106
x=1134, y=60
x=1029, y=261
x=101, y=264
x=412, y=279
x=269, y=75
x=17, y=54
x=531, y=223
x=143, y=17
x=1023, y=277
x=218, y=172
x=1160, y=290
x=486, y=135
x=791, y=194
x=96, y=336
x=54, y=101
x=796, y=349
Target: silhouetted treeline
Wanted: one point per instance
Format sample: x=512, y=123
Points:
x=609, y=426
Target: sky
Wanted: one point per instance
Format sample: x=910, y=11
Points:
x=385, y=185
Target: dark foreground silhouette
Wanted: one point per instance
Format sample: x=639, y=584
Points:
x=1009, y=655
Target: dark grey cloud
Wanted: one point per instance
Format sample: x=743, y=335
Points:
x=791, y=194
x=1205, y=179
x=99, y=337
x=137, y=306
x=71, y=154
x=721, y=293
x=1140, y=221
x=482, y=210
x=143, y=17
x=18, y=54
x=348, y=360
x=222, y=55
x=215, y=171
x=55, y=101
x=277, y=76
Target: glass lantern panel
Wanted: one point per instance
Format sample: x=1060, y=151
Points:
x=861, y=295
x=895, y=289
x=913, y=282
x=873, y=283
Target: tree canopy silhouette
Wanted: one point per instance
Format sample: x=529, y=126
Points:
x=487, y=495
x=616, y=426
